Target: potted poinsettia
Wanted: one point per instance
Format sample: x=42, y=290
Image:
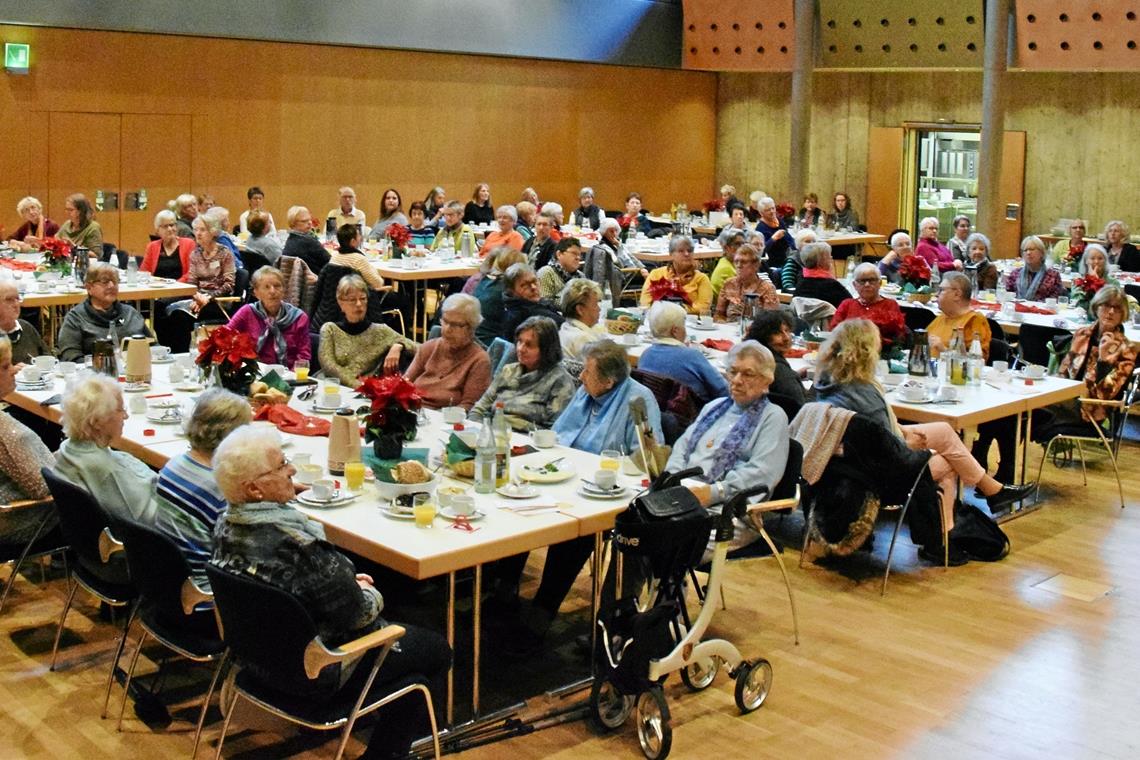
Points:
x=668, y=289
x=57, y=255
x=914, y=273
x=1084, y=288
x=233, y=354
x=393, y=414
x=400, y=236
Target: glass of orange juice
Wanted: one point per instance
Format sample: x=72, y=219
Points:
x=611, y=460
x=354, y=475
x=423, y=510
x=301, y=370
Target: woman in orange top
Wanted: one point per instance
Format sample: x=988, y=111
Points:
x=506, y=235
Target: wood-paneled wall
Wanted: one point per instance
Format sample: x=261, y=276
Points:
x=302, y=120
x=1083, y=134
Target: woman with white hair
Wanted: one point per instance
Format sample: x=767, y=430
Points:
x=669, y=356
x=169, y=256
x=983, y=272
x=30, y=235
x=935, y=253
x=506, y=236
x=302, y=243
x=22, y=454
x=1121, y=252
x=478, y=209
x=683, y=272
x=731, y=301
x=213, y=270
x=606, y=260
x=581, y=306
x=818, y=281
x=93, y=417
x=101, y=315
x=1034, y=280
x=901, y=250
x=279, y=329
x=587, y=214
x=777, y=240
x=869, y=304
x=453, y=370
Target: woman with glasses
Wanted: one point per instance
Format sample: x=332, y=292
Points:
x=1034, y=280
x=169, y=256
x=355, y=347
x=730, y=302
x=453, y=370
x=80, y=229
x=868, y=304
x=99, y=316
x=1072, y=248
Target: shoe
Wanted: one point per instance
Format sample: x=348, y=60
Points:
x=1009, y=494
x=935, y=555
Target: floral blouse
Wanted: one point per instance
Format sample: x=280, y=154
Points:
x=730, y=301
x=1103, y=361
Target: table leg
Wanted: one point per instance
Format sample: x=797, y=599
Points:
x=451, y=643
x=476, y=607
x=1022, y=450
x=1028, y=438
x=597, y=566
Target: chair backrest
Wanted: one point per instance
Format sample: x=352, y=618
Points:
x=1000, y=351
x=253, y=260
x=1032, y=340
x=786, y=488
x=790, y=405
x=325, y=306
x=996, y=330
x=158, y=568
x=500, y=352
x=82, y=520
x=917, y=317
x=241, y=283
x=672, y=395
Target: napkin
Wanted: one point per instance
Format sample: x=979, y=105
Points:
x=1028, y=308
x=795, y=353
x=457, y=451
x=273, y=380
x=383, y=467
x=289, y=420
x=985, y=305
x=23, y=266
x=717, y=344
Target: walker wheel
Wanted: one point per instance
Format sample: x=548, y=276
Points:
x=699, y=675
x=653, y=731
x=752, y=684
x=608, y=709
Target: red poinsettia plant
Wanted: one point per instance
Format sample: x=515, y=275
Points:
x=399, y=235
x=56, y=251
x=394, y=405
x=668, y=289
x=716, y=204
x=915, y=271
x=785, y=210
x=1073, y=257
x=234, y=354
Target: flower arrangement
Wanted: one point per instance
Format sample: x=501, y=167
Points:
x=786, y=212
x=234, y=354
x=1084, y=288
x=392, y=416
x=1073, y=257
x=915, y=272
x=668, y=289
x=716, y=204
x=57, y=255
x=399, y=235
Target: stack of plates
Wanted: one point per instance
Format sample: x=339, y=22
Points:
x=335, y=499
x=594, y=492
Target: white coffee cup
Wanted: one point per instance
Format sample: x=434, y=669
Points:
x=330, y=401
x=544, y=439
x=45, y=363
x=66, y=368
x=1036, y=371
x=1000, y=366
x=137, y=404
x=1051, y=303
x=177, y=373
x=454, y=414
x=30, y=375
x=159, y=353
x=308, y=473
x=948, y=393
x=323, y=489
x=463, y=505
x=605, y=479
x=913, y=392
x=300, y=459
x=629, y=339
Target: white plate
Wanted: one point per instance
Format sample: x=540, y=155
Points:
x=396, y=514
x=25, y=381
x=323, y=409
x=135, y=387
x=163, y=420
x=338, y=497
x=526, y=492
x=447, y=513
x=168, y=360
x=1020, y=375
x=539, y=475
x=189, y=387
x=592, y=494
x=704, y=326
x=40, y=386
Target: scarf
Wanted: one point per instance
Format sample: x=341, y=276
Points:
x=593, y=424
x=733, y=445
x=354, y=328
x=1028, y=289
x=14, y=336
x=112, y=316
x=844, y=218
x=275, y=328
x=563, y=274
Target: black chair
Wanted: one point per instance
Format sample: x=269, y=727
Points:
x=270, y=631
x=917, y=317
x=252, y=261
x=1000, y=351
x=41, y=544
x=171, y=609
x=996, y=330
x=1033, y=340
x=112, y=255
x=98, y=566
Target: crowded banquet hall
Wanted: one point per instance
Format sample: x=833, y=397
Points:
x=576, y=380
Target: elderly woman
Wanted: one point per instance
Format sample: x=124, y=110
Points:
x=260, y=535
x=452, y=228
x=301, y=243
x=489, y=292
x=22, y=455
x=80, y=229
x=93, y=417
x=983, y=273
x=869, y=304
x=606, y=261
x=730, y=241
x=957, y=243
x=391, y=212
x=535, y=388
x=936, y=254
x=542, y=247
x=262, y=240
x=587, y=215
x=810, y=215
x=900, y=251
x=526, y=212
x=581, y=304
x=845, y=377
x=563, y=269
x=422, y=233
x=506, y=236
x=478, y=209
x=186, y=209
x=99, y=316
x=777, y=240
x=434, y=204
x=738, y=225
x=25, y=342
x=220, y=215
x=255, y=197
x=732, y=303
x=954, y=303
x=1121, y=253
x=186, y=482
x=212, y=270
x=522, y=299
x=634, y=219
x=453, y=370
x=793, y=270
x=818, y=280
x=169, y=256
x=355, y=347
x=669, y=356
x=30, y=235
x=1034, y=280
x=775, y=330
x=1068, y=250
x=280, y=329
x=728, y=197
x=682, y=270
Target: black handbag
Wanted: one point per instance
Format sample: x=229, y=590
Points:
x=667, y=504
x=977, y=534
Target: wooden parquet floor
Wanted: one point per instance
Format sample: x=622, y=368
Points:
x=983, y=661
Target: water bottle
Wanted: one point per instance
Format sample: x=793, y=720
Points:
x=502, y=445
x=446, y=248
x=132, y=270
x=485, y=460
x=465, y=246
x=957, y=358
x=976, y=361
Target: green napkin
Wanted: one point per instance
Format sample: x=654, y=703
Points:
x=457, y=450
x=273, y=380
x=619, y=313
x=898, y=367
x=382, y=467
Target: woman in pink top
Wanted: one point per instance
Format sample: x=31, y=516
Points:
x=280, y=329
x=453, y=370
x=930, y=249
x=506, y=235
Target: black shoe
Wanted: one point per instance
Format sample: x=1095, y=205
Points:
x=1009, y=494
x=935, y=555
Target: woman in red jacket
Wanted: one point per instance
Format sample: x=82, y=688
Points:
x=169, y=256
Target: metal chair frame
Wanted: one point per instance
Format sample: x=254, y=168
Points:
x=27, y=552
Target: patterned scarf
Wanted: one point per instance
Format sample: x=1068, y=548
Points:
x=1028, y=289
x=733, y=445
x=563, y=274
x=275, y=328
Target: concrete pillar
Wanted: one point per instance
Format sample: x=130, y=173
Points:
x=991, y=210
x=800, y=153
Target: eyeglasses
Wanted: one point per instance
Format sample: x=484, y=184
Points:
x=445, y=322
x=285, y=462
x=866, y=281
x=747, y=374
x=355, y=299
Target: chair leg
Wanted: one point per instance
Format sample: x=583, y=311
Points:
x=891, y=552
x=1040, y=469
x=787, y=582
x=1084, y=471
x=130, y=674
x=352, y=716
x=206, y=702
x=226, y=724
x=118, y=656
x=62, y=619
x=431, y=718
x=807, y=534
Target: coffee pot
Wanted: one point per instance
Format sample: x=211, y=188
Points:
x=344, y=441
x=103, y=357
x=919, y=362
x=136, y=352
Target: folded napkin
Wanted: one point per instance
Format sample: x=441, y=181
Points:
x=795, y=353
x=383, y=467
x=1028, y=308
x=717, y=344
x=23, y=266
x=289, y=420
x=273, y=380
x=457, y=451
x=985, y=305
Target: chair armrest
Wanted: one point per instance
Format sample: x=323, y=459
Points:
x=317, y=655
x=193, y=595
x=24, y=504
x=108, y=545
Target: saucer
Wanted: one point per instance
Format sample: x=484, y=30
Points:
x=447, y=513
x=189, y=387
x=42, y=385
x=337, y=498
x=165, y=419
x=617, y=492
x=396, y=513
x=135, y=387
x=524, y=492
x=168, y=360
x=533, y=474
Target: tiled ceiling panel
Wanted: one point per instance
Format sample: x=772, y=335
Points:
x=900, y=34
x=738, y=35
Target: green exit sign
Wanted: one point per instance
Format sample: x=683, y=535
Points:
x=17, y=56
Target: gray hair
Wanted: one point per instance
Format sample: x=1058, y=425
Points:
x=555, y=209
x=585, y=191
x=346, y=190
x=678, y=242
x=514, y=273
x=927, y=220
x=221, y=213
x=664, y=316
x=217, y=414
x=865, y=267
x=575, y=295
x=211, y=222
x=88, y=402
x=1083, y=266
x=97, y=271
x=1116, y=223
x=758, y=352
x=959, y=281
x=765, y=202
x=185, y=200
x=730, y=189
x=351, y=282
x=242, y=453
x=266, y=271
x=1109, y=295
x=610, y=359
x=466, y=305
x=1032, y=240
x=977, y=237
x=28, y=202
x=292, y=214
x=960, y=218
x=896, y=239
x=805, y=236
x=166, y=215
x=607, y=224
x=813, y=253
x=509, y=211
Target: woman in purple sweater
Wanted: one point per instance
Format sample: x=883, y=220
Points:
x=280, y=329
